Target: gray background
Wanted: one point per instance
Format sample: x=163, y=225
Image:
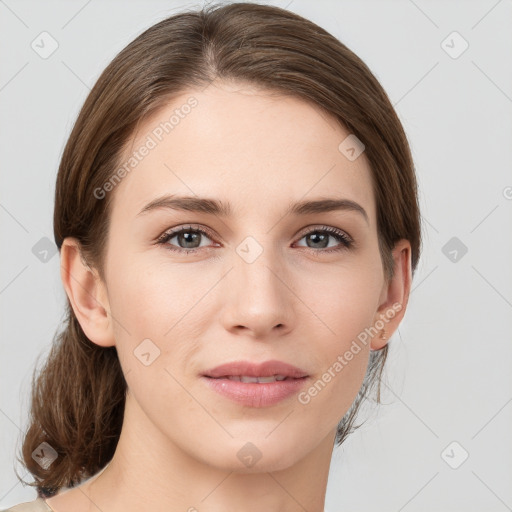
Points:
x=448, y=376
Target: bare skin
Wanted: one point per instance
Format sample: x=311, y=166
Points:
x=295, y=303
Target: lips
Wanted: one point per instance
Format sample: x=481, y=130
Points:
x=256, y=385
x=246, y=371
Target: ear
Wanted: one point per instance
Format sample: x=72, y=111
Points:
x=87, y=294
x=394, y=296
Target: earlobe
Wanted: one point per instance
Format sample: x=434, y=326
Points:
x=86, y=293
x=395, y=296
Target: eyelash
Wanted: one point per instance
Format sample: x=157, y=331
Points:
x=339, y=235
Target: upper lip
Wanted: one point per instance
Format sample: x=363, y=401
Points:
x=250, y=369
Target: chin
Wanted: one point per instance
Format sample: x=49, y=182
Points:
x=256, y=453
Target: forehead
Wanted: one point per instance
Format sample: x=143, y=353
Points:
x=243, y=144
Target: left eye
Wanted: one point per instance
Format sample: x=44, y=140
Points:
x=320, y=239
x=189, y=238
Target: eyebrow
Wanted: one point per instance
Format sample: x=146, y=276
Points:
x=221, y=209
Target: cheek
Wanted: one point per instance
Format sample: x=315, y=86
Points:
x=152, y=310
x=344, y=303
x=341, y=355
x=344, y=299
x=153, y=298
x=161, y=303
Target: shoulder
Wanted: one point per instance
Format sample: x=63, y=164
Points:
x=38, y=505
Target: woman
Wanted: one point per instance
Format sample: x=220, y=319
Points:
x=237, y=218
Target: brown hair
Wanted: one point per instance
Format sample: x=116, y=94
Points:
x=77, y=400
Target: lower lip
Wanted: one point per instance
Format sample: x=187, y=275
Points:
x=253, y=394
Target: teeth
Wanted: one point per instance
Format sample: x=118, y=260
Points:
x=263, y=380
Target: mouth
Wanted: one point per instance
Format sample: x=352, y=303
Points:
x=256, y=385
x=259, y=380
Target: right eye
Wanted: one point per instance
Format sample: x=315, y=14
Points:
x=188, y=237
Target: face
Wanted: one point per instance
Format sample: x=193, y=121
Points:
x=190, y=290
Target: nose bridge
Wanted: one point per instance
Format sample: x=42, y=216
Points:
x=256, y=265
x=258, y=297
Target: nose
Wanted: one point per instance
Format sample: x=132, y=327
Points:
x=259, y=301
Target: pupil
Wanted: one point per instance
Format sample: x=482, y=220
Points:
x=189, y=238
x=323, y=238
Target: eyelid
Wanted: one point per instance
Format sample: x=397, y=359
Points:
x=323, y=227
x=185, y=227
